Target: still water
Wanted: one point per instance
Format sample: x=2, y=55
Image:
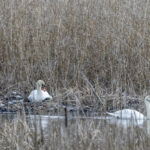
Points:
x=44, y=120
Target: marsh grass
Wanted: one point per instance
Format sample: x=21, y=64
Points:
x=80, y=134
x=89, y=52
x=63, y=41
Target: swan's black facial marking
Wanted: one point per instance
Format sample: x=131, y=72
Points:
x=43, y=87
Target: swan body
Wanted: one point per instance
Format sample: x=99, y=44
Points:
x=132, y=114
x=127, y=114
x=40, y=94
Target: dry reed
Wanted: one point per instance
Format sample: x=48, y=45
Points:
x=63, y=40
x=80, y=134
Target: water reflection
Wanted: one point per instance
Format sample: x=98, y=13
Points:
x=7, y=116
x=45, y=121
x=126, y=122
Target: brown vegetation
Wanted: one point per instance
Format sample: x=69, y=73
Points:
x=81, y=134
x=64, y=41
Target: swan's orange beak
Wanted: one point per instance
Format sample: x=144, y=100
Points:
x=43, y=88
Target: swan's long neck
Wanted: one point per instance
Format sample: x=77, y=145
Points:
x=147, y=103
x=38, y=86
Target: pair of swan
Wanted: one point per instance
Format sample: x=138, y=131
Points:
x=130, y=113
x=40, y=94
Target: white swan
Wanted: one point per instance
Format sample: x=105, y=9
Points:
x=40, y=94
x=127, y=114
x=130, y=113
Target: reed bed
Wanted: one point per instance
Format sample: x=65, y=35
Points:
x=89, y=52
x=92, y=48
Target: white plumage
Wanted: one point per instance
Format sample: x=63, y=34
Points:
x=40, y=94
x=127, y=114
x=132, y=114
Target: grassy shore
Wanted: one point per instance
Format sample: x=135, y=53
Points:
x=87, y=49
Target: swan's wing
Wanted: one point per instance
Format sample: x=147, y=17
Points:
x=46, y=96
x=39, y=96
x=127, y=113
x=31, y=97
x=130, y=113
x=137, y=115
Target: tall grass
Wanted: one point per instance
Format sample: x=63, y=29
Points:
x=60, y=41
x=81, y=134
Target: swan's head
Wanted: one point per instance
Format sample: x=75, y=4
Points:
x=41, y=85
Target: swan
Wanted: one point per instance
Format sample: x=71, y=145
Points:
x=40, y=94
x=127, y=114
x=132, y=114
